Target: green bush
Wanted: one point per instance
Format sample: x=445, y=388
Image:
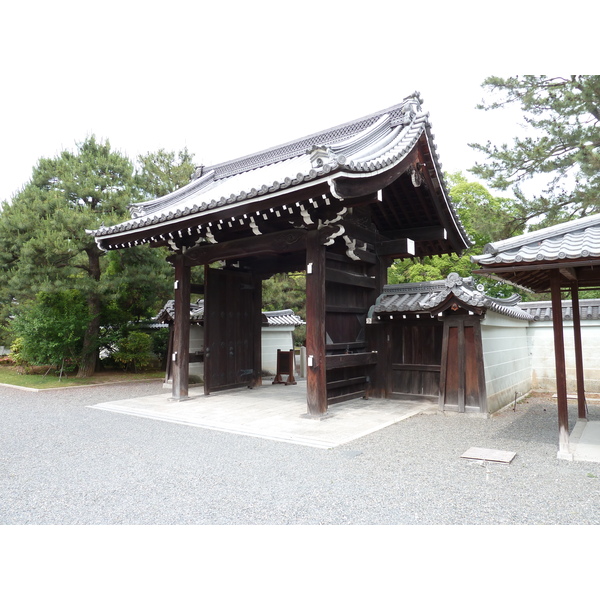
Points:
x=50, y=330
x=134, y=351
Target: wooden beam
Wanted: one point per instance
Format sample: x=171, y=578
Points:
x=419, y=234
x=568, y=273
x=340, y=361
x=396, y=248
x=336, y=276
x=271, y=243
x=181, y=329
x=316, y=377
x=581, y=402
x=357, y=232
x=364, y=184
x=559, y=361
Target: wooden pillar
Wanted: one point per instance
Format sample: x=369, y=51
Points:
x=207, y=329
x=181, y=329
x=316, y=376
x=561, y=372
x=257, y=331
x=581, y=403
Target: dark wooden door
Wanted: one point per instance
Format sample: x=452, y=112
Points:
x=462, y=381
x=230, y=326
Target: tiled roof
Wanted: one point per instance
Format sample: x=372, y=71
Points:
x=368, y=145
x=426, y=297
x=272, y=318
x=542, y=311
x=282, y=317
x=167, y=313
x=571, y=240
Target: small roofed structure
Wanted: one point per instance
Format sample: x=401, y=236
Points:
x=449, y=342
x=340, y=205
x=561, y=258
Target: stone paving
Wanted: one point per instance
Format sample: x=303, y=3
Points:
x=275, y=412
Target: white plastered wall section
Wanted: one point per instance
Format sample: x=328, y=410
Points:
x=507, y=359
x=196, y=345
x=273, y=338
x=541, y=341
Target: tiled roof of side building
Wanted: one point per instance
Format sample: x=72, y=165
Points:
x=272, y=318
x=574, y=239
x=426, y=297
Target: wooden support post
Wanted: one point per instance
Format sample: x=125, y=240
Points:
x=461, y=367
x=257, y=331
x=181, y=334
x=561, y=373
x=581, y=402
x=316, y=376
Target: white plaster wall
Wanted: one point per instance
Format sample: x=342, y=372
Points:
x=506, y=358
x=274, y=338
x=196, y=344
x=542, y=355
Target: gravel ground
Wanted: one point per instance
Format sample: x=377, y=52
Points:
x=63, y=463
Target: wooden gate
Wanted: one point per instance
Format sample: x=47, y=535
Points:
x=232, y=329
x=462, y=378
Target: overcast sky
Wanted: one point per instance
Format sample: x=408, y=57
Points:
x=228, y=80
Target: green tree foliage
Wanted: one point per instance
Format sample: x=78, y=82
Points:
x=563, y=114
x=287, y=290
x=162, y=172
x=134, y=351
x=44, y=245
x=51, y=329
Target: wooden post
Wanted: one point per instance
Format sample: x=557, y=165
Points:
x=561, y=373
x=316, y=376
x=181, y=329
x=581, y=403
x=257, y=331
x=461, y=367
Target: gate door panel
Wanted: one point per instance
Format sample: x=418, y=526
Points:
x=229, y=323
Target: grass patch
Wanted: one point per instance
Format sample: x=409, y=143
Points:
x=9, y=375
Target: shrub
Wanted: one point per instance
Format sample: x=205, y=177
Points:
x=50, y=330
x=134, y=351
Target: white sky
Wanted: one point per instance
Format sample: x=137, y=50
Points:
x=236, y=78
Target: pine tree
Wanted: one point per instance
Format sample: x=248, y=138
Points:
x=44, y=245
x=563, y=116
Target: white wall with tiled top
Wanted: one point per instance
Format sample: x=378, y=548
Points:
x=541, y=344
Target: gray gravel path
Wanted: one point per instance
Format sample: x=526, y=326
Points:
x=64, y=463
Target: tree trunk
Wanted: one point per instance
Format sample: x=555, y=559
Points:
x=89, y=355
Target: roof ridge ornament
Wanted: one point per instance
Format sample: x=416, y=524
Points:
x=324, y=155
